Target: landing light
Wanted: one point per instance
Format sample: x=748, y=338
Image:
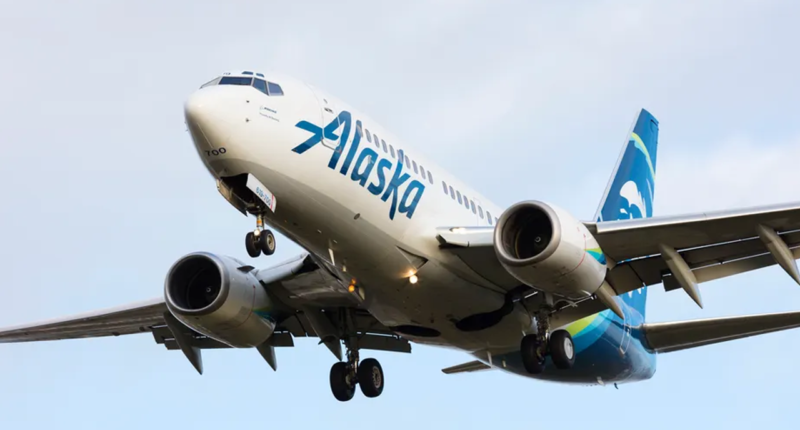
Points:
x=413, y=279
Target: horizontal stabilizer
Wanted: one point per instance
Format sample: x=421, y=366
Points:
x=675, y=336
x=472, y=366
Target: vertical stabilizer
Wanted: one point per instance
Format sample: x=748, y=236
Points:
x=631, y=189
x=629, y=193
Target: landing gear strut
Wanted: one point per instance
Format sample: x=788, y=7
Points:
x=368, y=374
x=260, y=240
x=534, y=348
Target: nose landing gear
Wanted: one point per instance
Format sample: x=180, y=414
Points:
x=260, y=240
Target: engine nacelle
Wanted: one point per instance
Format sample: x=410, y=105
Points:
x=211, y=295
x=544, y=247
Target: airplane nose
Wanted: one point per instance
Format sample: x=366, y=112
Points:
x=205, y=114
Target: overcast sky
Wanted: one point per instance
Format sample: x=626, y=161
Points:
x=103, y=190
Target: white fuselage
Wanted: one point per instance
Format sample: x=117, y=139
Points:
x=368, y=228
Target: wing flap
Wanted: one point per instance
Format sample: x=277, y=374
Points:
x=627, y=239
x=707, y=263
x=675, y=336
x=713, y=245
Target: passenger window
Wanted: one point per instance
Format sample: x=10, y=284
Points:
x=466, y=201
x=260, y=85
x=408, y=161
x=415, y=166
x=369, y=137
x=391, y=148
x=377, y=141
x=274, y=89
x=496, y=220
x=458, y=194
x=359, y=130
x=422, y=171
x=236, y=80
x=472, y=205
x=489, y=217
x=452, y=193
x=400, y=155
x=430, y=177
x=383, y=142
x=444, y=185
x=480, y=211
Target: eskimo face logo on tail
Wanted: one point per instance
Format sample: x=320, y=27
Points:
x=636, y=206
x=366, y=161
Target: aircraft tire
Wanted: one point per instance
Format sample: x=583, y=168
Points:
x=251, y=243
x=341, y=387
x=266, y=241
x=370, y=377
x=533, y=362
x=562, y=349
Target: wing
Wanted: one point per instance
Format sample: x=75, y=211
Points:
x=712, y=245
x=134, y=318
x=313, y=295
x=677, y=251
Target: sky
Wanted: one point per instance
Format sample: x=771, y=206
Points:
x=103, y=190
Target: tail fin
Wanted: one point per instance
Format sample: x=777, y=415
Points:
x=629, y=193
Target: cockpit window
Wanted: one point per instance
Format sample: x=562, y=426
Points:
x=268, y=88
x=260, y=85
x=236, y=80
x=211, y=82
x=274, y=89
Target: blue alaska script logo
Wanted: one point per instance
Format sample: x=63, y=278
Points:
x=404, y=191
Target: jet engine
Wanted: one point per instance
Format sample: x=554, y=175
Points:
x=544, y=247
x=219, y=297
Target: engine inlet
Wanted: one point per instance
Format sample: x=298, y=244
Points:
x=194, y=283
x=526, y=232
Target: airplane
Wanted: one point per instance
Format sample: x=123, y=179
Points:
x=399, y=251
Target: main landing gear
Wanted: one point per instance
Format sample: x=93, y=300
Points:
x=260, y=240
x=536, y=347
x=367, y=374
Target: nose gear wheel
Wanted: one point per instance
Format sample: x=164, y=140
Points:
x=260, y=240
